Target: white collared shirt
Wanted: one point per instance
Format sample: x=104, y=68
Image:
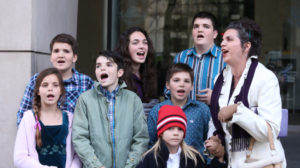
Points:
x=174, y=159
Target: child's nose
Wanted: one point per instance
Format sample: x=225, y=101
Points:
x=200, y=28
x=176, y=131
x=102, y=68
x=142, y=45
x=60, y=54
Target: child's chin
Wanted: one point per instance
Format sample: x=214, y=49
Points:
x=103, y=85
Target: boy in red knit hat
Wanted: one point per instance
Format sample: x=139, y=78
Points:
x=170, y=150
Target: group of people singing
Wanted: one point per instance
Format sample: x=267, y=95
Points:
x=217, y=99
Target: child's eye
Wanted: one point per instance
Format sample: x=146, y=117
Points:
x=195, y=26
x=44, y=84
x=187, y=81
x=98, y=65
x=176, y=80
x=66, y=51
x=206, y=26
x=109, y=64
x=145, y=42
x=180, y=129
x=55, y=50
x=134, y=42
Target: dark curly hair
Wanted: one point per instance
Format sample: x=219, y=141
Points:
x=147, y=70
x=248, y=31
x=37, y=97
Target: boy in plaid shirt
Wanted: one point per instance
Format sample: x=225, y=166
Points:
x=64, y=50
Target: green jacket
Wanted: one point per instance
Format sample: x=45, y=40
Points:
x=91, y=135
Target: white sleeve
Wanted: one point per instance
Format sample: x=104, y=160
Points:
x=211, y=128
x=265, y=94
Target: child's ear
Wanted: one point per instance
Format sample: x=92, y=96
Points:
x=120, y=73
x=215, y=34
x=167, y=85
x=75, y=57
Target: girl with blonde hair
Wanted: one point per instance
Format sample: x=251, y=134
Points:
x=170, y=150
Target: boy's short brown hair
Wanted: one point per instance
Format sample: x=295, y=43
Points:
x=65, y=38
x=179, y=67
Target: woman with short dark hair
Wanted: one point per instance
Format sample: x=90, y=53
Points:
x=246, y=97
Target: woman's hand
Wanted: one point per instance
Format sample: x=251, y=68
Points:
x=215, y=147
x=226, y=113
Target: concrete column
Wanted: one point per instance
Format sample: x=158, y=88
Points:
x=26, y=29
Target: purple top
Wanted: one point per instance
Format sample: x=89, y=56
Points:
x=139, y=86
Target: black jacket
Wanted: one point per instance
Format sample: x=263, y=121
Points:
x=163, y=155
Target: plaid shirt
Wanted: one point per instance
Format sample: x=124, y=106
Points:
x=74, y=86
x=111, y=97
x=206, y=67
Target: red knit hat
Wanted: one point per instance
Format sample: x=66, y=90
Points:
x=170, y=116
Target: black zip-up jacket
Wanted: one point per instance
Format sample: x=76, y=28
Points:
x=163, y=155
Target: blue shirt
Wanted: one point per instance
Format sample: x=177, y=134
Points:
x=74, y=86
x=197, y=114
x=111, y=97
x=206, y=67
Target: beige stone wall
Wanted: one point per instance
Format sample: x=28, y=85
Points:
x=15, y=68
x=26, y=28
x=15, y=71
